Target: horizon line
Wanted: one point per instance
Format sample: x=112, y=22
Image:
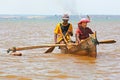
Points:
x=59, y=14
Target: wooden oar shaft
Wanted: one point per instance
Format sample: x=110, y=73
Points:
x=107, y=41
x=35, y=47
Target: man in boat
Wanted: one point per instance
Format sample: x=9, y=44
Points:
x=83, y=31
x=63, y=29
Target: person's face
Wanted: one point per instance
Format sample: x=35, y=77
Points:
x=65, y=21
x=84, y=24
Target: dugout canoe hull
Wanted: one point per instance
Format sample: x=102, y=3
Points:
x=87, y=47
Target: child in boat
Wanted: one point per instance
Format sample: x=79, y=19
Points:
x=83, y=31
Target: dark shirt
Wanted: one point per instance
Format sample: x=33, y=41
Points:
x=83, y=32
x=64, y=28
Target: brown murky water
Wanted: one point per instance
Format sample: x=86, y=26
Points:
x=35, y=65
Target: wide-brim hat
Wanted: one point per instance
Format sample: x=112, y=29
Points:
x=84, y=20
x=65, y=17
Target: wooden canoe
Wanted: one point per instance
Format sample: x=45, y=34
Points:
x=86, y=47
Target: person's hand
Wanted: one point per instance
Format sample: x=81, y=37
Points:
x=70, y=33
x=78, y=42
x=55, y=41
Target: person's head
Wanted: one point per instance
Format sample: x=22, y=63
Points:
x=83, y=22
x=65, y=18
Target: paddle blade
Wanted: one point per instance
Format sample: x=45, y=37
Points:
x=50, y=49
x=107, y=41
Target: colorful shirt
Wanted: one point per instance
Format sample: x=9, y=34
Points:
x=83, y=32
x=59, y=30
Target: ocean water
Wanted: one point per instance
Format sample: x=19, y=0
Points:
x=29, y=30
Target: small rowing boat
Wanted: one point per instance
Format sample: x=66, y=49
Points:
x=86, y=47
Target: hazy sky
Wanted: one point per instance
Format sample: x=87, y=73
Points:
x=52, y=7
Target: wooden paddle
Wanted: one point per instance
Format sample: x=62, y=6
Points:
x=53, y=47
x=64, y=39
x=107, y=41
x=50, y=49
